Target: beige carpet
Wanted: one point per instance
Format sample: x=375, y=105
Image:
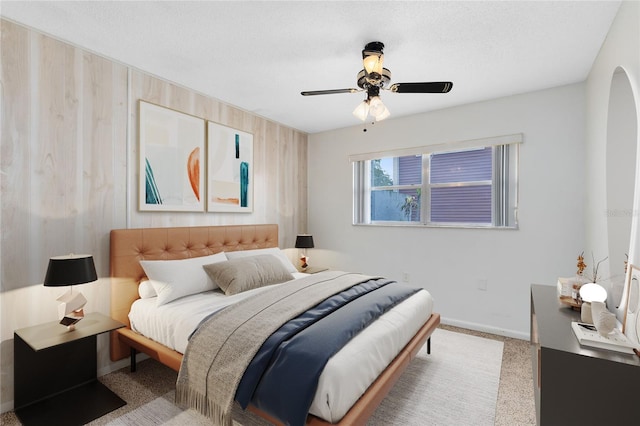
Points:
x=150, y=390
x=516, y=403
x=456, y=385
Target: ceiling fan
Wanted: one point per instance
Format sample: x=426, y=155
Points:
x=373, y=78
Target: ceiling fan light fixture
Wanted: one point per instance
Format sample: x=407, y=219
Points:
x=382, y=114
x=373, y=63
x=375, y=105
x=362, y=110
x=372, y=106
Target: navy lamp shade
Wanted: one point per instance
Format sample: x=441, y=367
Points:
x=68, y=271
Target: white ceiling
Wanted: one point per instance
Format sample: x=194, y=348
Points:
x=259, y=55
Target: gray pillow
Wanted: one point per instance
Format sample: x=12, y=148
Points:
x=242, y=274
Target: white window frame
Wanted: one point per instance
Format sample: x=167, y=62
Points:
x=504, y=182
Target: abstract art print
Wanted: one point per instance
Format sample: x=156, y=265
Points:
x=230, y=169
x=171, y=160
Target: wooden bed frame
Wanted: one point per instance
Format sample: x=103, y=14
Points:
x=129, y=246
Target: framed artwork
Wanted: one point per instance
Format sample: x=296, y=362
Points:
x=229, y=169
x=171, y=160
x=631, y=296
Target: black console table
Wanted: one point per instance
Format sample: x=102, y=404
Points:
x=574, y=384
x=55, y=373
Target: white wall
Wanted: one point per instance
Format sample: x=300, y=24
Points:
x=449, y=262
x=621, y=50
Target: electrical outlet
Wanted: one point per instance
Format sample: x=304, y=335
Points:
x=482, y=284
x=405, y=277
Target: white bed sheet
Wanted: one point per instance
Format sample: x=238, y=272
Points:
x=172, y=323
x=367, y=355
x=362, y=359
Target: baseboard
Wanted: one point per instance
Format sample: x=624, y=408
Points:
x=6, y=407
x=114, y=366
x=485, y=329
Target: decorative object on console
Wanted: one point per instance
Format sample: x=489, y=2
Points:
x=588, y=335
x=603, y=320
x=594, y=269
x=304, y=241
x=585, y=313
x=581, y=265
x=568, y=289
x=580, y=279
x=70, y=270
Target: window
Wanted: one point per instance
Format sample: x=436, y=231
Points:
x=466, y=184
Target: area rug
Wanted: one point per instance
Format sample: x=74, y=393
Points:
x=457, y=384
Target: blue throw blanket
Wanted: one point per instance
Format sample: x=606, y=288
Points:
x=283, y=376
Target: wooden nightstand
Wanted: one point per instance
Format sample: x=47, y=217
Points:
x=55, y=373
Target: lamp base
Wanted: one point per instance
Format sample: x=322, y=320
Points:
x=72, y=304
x=303, y=262
x=70, y=322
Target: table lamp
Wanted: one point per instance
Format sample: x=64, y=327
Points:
x=304, y=241
x=590, y=293
x=70, y=270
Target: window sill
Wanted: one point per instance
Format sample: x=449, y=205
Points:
x=423, y=225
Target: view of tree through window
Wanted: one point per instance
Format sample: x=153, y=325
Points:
x=395, y=184
x=379, y=176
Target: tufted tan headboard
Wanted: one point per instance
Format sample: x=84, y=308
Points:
x=129, y=246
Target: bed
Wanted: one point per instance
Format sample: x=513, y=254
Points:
x=131, y=246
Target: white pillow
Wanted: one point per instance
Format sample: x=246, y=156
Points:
x=272, y=250
x=146, y=290
x=173, y=279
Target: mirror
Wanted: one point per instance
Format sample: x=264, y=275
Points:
x=621, y=149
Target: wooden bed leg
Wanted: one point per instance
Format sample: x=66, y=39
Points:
x=429, y=345
x=133, y=353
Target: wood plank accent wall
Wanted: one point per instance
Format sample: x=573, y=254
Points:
x=70, y=155
x=69, y=171
x=63, y=133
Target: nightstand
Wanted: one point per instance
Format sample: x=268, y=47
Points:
x=55, y=373
x=314, y=269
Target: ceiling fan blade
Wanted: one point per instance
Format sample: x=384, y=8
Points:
x=430, y=87
x=329, y=92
